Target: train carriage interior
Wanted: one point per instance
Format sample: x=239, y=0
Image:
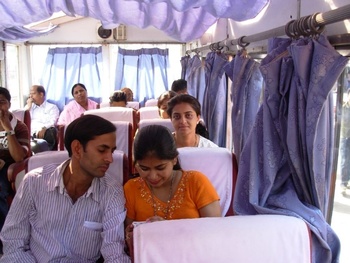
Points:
x=273, y=81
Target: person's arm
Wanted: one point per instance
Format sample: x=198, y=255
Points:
x=113, y=229
x=15, y=234
x=17, y=151
x=211, y=210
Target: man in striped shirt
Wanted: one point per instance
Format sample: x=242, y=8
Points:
x=70, y=212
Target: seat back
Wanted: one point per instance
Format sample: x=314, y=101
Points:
x=115, y=114
x=118, y=168
x=248, y=239
x=149, y=113
x=219, y=165
x=151, y=102
x=104, y=104
x=125, y=139
x=133, y=104
x=164, y=122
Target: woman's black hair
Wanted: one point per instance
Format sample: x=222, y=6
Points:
x=85, y=129
x=155, y=140
x=118, y=96
x=75, y=85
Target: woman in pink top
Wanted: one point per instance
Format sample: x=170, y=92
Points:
x=76, y=107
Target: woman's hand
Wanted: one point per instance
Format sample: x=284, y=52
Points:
x=129, y=231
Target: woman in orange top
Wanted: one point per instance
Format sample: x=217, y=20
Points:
x=163, y=190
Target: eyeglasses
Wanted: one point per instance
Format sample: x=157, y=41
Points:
x=3, y=101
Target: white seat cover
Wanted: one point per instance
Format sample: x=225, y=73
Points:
x=242, y=239
x=151, y=102
x=164, y=122
x=115, y=170
x=216, y=164
x=114, y=113
x=149, y=113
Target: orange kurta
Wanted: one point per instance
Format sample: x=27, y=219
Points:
x=194, y=191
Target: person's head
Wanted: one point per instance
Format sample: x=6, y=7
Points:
x=91, y=134
x=129, y=94
x=163, y=103
x=155, y=154
x=118, y=99
x=37, y=94
x=5, y=99
x=79, y=93
x=179, y=86
x=184, y=111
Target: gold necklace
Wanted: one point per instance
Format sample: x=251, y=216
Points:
x=166, y=211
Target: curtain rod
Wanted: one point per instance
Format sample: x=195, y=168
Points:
x=315, y=21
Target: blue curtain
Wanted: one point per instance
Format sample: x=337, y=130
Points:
x=184, y=66
x=66, y=66
x=215, y=97
x=145, y=71
x=246, y=88
x=285, y=165
x=196, y=78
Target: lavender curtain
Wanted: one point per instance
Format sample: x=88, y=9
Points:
x=196, y=78
x=215, y=97
x=246, y=88
x=285, y=165
x=184, y=66
x=66, y=66
x=181, y=19
x=144, y=70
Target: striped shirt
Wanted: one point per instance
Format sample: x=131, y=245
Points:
x=44, y=225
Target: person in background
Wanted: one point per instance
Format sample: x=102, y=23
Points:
x=44, y=116
x=179, y=86
x=129, y=94
x=14, y=147
x=78, y=106
x=184, y=111
x=73, y=211
x=163, y=103
x=164, y=191
x=118, y=99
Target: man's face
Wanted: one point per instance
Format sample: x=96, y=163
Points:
x=36, y=97
x=97, y=155
x=4, y=103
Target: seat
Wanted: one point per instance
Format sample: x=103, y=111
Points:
x=219, y=165
x=133, y=104
x=104, y=104
x=116, y=114
x=118, y=168
x=125, y=139
x=164, y=122
x=151, y=112
x=24, y=116
x=151, y=102
x=248, y=239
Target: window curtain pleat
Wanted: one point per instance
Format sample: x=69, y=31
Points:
x=145, y=71
x=66, y=66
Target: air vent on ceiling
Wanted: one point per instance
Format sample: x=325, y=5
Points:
x=119, y=33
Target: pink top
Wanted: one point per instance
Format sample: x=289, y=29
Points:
x=74, y=110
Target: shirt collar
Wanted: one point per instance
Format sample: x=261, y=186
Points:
x=56, y=181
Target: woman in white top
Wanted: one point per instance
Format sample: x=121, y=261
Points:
x=184, y=111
